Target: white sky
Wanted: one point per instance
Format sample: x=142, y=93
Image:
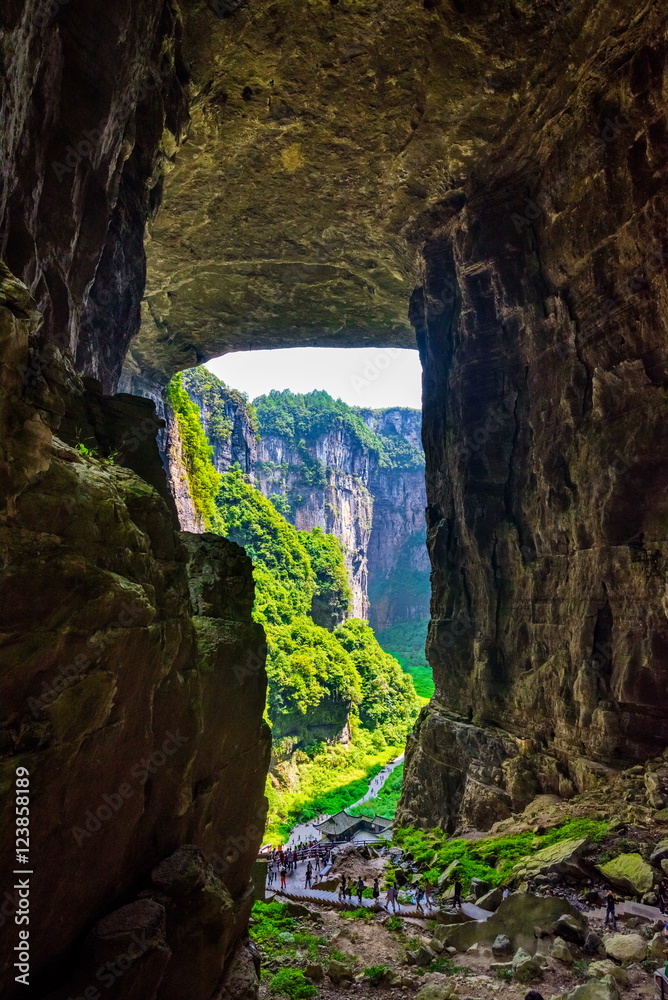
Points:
x=372, y=377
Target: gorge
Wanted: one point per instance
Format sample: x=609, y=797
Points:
x=183, y=178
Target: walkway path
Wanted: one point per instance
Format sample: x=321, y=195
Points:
x=631, y=909
x=298, y=892
x=306, y=832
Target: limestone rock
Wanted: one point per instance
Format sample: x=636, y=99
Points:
x=502, y=945
x=629, y=873
x=593, y=944
x=526, y=968
x=658, y=947
x=599, y=970
x=625, y=948
x=315, y=972
x=338, y=972
x=491, y=900
x=572, y=927
x=595, y=989
x=561, y=859
x=561, y=951
x=436, y=991
x=660, y=853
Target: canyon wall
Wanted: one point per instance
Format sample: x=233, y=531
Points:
x=542, y=325
x=336, y=481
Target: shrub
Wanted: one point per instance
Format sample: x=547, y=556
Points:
x=292, y=983
x=376, y=973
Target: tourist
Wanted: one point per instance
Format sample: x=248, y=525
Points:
x=663, y=895
x=360, y=889
x=458, y=894
x=429, y=895
x=342, y=887
x=309, y=876
x=505, y=893
x=419, y=893
x=391, y=897
x=283, y=877
x=610, y=916
x=375, y=892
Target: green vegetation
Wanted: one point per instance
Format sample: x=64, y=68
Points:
x=292, y=983
x=492, y=859
x=405, y=641
x=320, y=672
x=203, y=480
x=332, y=777
x=301, y=418
x=281, y=936
x=376, y=973
x=218, y=401
x=385, y=803
x=359, y=913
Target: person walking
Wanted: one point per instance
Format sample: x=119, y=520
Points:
x=342, y=887
x=360, y=889
x=458, y=894
x=610, y=915
x=283, y=877
x=419, y=893
x=376, y=889
x=309, y=876
x=429, y=895
x=391, y=898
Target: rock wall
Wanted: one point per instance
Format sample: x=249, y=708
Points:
x=132, y=691
x=339, y=485
x=397, y=556
x=542, y=327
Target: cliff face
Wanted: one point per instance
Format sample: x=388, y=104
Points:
x=397, y=555
x=335, y=481
x=132, y=680
x=542, y=333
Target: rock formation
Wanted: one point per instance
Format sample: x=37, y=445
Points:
x=509, y=159
x=334, y=481
x=133, y=679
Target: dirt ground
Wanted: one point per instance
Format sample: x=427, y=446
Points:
x=372, y=944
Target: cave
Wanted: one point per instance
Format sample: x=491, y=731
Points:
x=182, y=179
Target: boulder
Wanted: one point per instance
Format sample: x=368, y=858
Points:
x=594, y=989
x=338, y=972
x=660, y=853
x=314, y=972
x=435, y=944
x=561, y=859
x=526, y=968
x=491, y=900
x=436, y=991
x=658, y=948
x=422, y=956
x=603, y=968
x=502, y=945
x=628, y=873
x=661, y=816
x=593, y=944
x=297, y=909
x=625, y=948
x=479, y=886
x=572, y=927
x=516, y=918
x=561, y=951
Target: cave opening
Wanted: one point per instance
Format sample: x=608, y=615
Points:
x=312, y=460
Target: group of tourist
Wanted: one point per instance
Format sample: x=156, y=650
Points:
x=282, y=863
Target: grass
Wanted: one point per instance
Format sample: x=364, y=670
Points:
x=278, y=935
x=492, y=859
x=334, y=777
x=292, y=983
x=376, y=973
x=361, y=913
x=448, y=967
x=385, y=803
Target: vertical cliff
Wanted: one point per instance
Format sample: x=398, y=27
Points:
x=132, y=689
x=358, y=475
x=542, y=329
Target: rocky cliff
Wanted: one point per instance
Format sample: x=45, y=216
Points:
x=366, y=490
x=542, y=330
x=132, y=682
x=509, y=160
